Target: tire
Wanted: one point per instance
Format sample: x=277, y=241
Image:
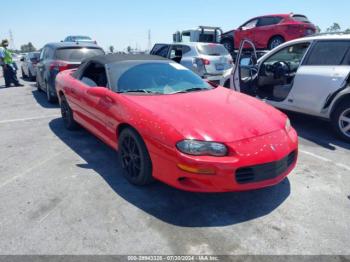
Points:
x=228, y=44
x=67, y=115
x=30, y=76
x=24, y=76
x=134, y=157
x=275, y=41
x=51, y=99
x=38, y=87
x=341, y=120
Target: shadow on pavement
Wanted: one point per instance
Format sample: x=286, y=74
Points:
x=40, y=98
x=316, y=131
x=168, y=204
x=28, y=80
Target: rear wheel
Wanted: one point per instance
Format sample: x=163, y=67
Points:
x=24, y=76
x=135, y=158
x=38, y=87
x=30, y=76
x=67, y=115
x=341, y=120
x=50, y=98
x=275, y=41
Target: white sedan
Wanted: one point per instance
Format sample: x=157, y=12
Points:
x=310, y=75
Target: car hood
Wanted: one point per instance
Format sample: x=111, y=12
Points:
x=220, y=114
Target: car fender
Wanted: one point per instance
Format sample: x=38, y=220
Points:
x=340, y=97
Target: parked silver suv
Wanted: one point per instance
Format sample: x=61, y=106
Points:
x=208, y=60
x=310, y=75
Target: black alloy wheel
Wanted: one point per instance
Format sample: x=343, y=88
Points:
x=134, y=158
x=51, y=99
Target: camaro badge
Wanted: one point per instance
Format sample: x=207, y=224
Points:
x=273, y=148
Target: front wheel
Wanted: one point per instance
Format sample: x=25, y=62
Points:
x=341, y=120
x=134, y=158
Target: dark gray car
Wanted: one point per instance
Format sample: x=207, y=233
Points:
x=56, y=57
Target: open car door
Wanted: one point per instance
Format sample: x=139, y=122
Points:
x=246, y=69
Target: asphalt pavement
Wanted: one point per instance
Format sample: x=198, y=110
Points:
x=62, y=192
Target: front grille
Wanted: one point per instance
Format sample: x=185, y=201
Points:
x=266, y=171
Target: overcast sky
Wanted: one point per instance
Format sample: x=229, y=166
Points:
x=123, y=23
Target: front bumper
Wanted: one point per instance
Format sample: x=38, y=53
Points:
x=269, y=150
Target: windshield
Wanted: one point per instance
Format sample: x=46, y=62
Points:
x=212, y=50
x=77, y=54
x=154, y=78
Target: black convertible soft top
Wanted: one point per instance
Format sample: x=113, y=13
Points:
x=115, y=58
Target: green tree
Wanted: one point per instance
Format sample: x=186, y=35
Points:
x=28, y=48
x=111, y=49
x=318, y=29
x=129, y=49
x=334, y=28
x=347, y=31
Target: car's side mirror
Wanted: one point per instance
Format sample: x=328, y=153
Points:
x=97, y=91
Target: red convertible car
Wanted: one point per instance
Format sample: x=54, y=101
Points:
x=169, y=124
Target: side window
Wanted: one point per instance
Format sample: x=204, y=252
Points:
x=51, y=53
x=271, y=20
x=250, y=25
x=331, y=53
x=186, y=49
x=42, y=53
x=156, y=48
x=347, y=59
x=163, y=51
x=48, y=53
x=178, y=51
x=94, y=75
x=292, y=54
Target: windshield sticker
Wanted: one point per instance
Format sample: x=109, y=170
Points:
x=178, y=66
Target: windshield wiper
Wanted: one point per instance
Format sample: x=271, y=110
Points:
x=137, y=91
x=191, y=90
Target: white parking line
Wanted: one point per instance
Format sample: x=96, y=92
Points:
x=325, y=159
x=27, y=119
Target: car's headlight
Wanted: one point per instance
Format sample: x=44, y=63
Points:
x=288, y=125
x=202, y=148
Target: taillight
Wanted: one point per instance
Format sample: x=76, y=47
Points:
x=59, y=66
x=205, y=61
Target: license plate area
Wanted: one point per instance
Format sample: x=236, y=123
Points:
x=220, y=67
